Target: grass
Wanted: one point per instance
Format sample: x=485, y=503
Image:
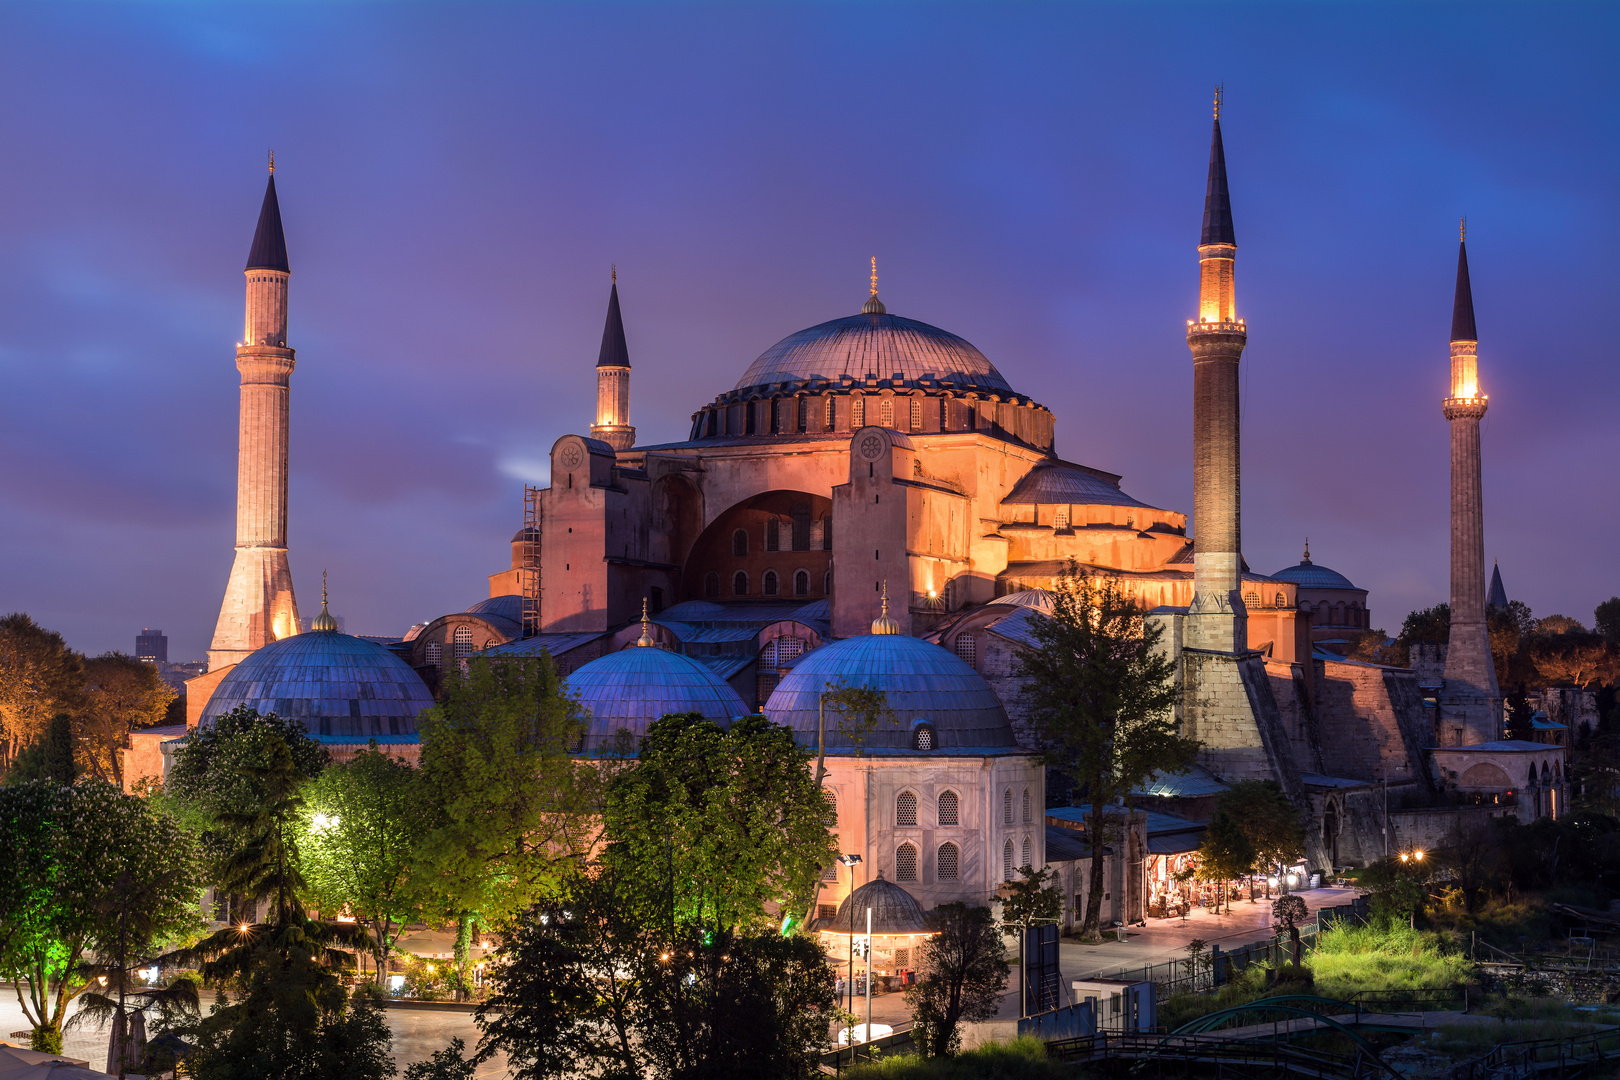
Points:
x=1022, y=1059
x=1352, y=958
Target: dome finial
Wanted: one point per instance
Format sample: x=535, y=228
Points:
x=646, y=638
x=873, y=305
x=1218, y=90
x=272, y=163
x=615, y=273
x=1307, y=557
x=1462, y=229
x=323, y=623
x=883, y=624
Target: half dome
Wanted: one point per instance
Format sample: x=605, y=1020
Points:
x=923, y=682
x=629, y=689
x=334, y=684
x=880, y=345
x=1039, y=599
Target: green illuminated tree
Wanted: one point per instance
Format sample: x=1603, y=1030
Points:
x=358, y=838
x=68, y=853
x=1099, y=694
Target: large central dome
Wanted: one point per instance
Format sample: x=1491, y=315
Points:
x=878, y=345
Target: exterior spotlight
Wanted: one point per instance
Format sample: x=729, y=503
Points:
x=849, y=860
x=1404, y=856
x=932, y=594
x=102, y=979
x=1418, y=855
x=1272, y=881
x=244, y=927
x=1293, y=880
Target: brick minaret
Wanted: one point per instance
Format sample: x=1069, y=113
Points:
x=613, y=380
x=1217, y=620
x=1470, y=703
x=259, y=604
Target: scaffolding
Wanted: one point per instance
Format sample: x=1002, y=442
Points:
x=529, y=572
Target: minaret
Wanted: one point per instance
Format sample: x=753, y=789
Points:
x=1470, y=703
x=1217, y=619
x=259, y=604
x=613, y=380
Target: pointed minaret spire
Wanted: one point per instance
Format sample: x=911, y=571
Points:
x=1217, y=620
x=873, y=305
x=1470, y=702
x=259, y=605
x=613, y=378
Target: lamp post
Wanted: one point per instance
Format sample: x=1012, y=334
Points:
x=868, y=1032
x=851, y=860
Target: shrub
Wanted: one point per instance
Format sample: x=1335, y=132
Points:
x=1022, y=1059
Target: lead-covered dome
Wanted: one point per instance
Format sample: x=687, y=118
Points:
x=879, y=345
x=927, y=687
x=629, y=689
x=333, y=683
x=1308, y=575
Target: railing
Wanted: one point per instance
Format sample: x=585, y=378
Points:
x=1440, y=999
x=1540, y=1057
x=846, y=1056
x=1207, y=1056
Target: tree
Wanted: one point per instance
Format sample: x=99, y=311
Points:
x=1429, y=624
x=1606, y=620
x=1025, y=902
x=1574, y=659
x=510, y=811
x=1268, y=819
x=1394, y=888
x=358, y=841
x=1225, y=853
x=1376, y=647
x=1469, y=851
x=1510, y=629
x=121, y=694
x=856, y=711
x=69, y=851
x=51, y=758
x=961, y=974
x=39, y=678
x=1099, y=693
x=1519, y=725
x=732, y=819
x=1559, y=624
x=447, y=1064
x=1290, y=911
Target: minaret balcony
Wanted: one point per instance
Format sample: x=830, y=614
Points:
x=1207, y=326
x=1465, y=408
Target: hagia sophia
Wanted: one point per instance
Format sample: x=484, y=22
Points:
x=876, y=503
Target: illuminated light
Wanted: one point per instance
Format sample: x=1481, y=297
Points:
x=932, y=594
x=1418, y=855
x=396, y=982
x=1272, y=881
x=244, y=927
x=1404, y=856
x=102, y=979
x=664, y=957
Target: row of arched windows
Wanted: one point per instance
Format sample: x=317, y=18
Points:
x=1007, y=864
x=1007, y=807
x=770, y=584
x=791, y=415
x=461, y=644
x=947, y=862
x=948, y=808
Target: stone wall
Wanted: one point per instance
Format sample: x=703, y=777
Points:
x=1369, y=722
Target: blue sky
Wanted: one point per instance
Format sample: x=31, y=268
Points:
x=457, y=179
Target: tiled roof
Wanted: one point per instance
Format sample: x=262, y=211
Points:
x=1194, y=782
x=879, y=345
x=1060, y=484
x=555, y=644
x=630, y=688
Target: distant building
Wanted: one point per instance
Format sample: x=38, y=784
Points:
x=152, y=646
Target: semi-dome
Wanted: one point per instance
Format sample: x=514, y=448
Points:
x=894, y=911
x=629, y=689
x=929, y=689
x=333, y=683
x=1039, y=599
x=874, y=344
x=508, y=607
x=1308, y=575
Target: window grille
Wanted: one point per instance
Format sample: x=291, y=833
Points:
x=773, y=535
x=967, y=648
x=857, y=413
x=950, y=862
x=1006, y=858
x=739, y=584
x=739, y=542
x=902, y=958
x=767, y=655
x=1060, y=518
x=770, y=583
x=886, y=412
x=1282, y=601
x=1006, y=808
x=916, y=414
x=1029, y=859
x=923, y=737
x=905, y=809
x=1026, y=805
x=801, y=527
x=949, y=808
x=711, y=586
x=788, y=649
x=827, y=911
x=829, y=872
x=435, y=653
x=464, y=646
x=801, y=583
x=832, y=412
x=803, y=411
x=905, y=863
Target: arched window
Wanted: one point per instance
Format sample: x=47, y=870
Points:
x=916, y=414
x=905, y=809
x=739, y=584
x=922, y=736
x=826, y=583
x=1006, y=860
x=1282, y=600
x=801, y=527
x=967, y=647
x=770, y=583
x=463, y=642
x=739, y=542
x=886, y=412
x=435, y=653
x=1060, y=517
x=803, y=411
x=1006, y=807
x=788, y=649
x=832, y=413
x=1029, y=854
x=949, y=808
x=1026, y=806
x=857, y=412
x=773, y=535
x=801, y=583
x=905, y=863
x=949, y=863
x=711, y=586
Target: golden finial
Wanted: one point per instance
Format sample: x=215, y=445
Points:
x=1219, y=91
x=323, y=588
x=874, y=275
x=883, y=624
x=1307, y=556
x=646, y=637
x=615, y=273
x=1462, y=229
x=272, y=163
x=323, y=623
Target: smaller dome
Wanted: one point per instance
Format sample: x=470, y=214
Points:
x=894, y=911
x=508, y=607
x=1039, y=599
x=334, y=684
x=629, y=689
x=1308, y=575
x=526, y=534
